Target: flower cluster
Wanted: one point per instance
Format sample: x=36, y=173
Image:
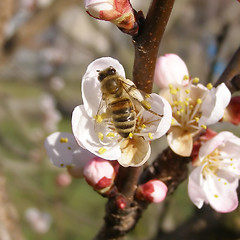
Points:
x=194, y=106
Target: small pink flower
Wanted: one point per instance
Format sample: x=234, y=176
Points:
x=232, y=113
x=153, y=191
x=100, y=174
x=119, y=12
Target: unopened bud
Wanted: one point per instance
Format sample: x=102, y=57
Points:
x=119, y=12
x=121, y=202
x=100, y=174
x=153, y=191
x=63, y=179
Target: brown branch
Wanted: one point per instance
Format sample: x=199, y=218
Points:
x=147, y=43
x=120, y=221
x=232, y=70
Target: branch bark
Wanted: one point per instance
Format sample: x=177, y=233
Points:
x=231, y=74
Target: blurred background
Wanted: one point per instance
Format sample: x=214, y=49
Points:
x=46, y=46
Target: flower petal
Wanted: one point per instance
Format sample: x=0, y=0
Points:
x=180, y=141
x=214, y=105
x=63, y=150
x=83, y=130
x=135, y=152
x=170, y=69
x=90, y=83
x=221, y=194
x=157, y=126
x=195, y=190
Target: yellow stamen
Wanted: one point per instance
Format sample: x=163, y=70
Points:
x=69, y=148
x=111, y=134
x=199, y=101
x=63, y=140
x=204, y=127
x=100, y=136
x=170, y=86
x=130, y=135
x=186, y=77
x=209, y=86
x=98, y=118
x=147, y=96
x=196, y=119
x=173, y=91
x=143, y=126
x=187, y=91
x=178, y=113
x=150, y=135
x=146, y=104
x=173, y=121
x=102, y=150
x=196, y=80
x=215, y=195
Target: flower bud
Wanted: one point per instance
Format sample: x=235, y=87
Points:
x=232, y=112
x=170, y=69
x=63, y=179
x=153, y=191
x=100, y=174
x=118, y=12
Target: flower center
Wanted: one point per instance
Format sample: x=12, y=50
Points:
x=186, y=108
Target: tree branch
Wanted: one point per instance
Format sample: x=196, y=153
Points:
x=147, y=43
x=230, y=75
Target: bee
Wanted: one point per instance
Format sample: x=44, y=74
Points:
x=121, y=97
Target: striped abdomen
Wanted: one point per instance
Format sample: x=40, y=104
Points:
x=123, y=116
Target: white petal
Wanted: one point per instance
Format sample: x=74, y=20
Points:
x=220, y=141
x=83, y=130
x=195, y=184
x=61, y=149
x=157, y=126
x=135, y=152
x=214, y=105
x=91, y=92
x=221, y=194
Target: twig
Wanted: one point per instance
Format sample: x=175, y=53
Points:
x=148, y=41
x=231, y=71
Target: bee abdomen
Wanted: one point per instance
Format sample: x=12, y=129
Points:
x=123, y=116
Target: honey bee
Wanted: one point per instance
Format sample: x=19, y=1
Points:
x=121, y=98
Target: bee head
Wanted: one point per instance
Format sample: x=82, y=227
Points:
x=105, y=73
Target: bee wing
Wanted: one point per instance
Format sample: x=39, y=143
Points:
x=102, y=117
x=138, y=96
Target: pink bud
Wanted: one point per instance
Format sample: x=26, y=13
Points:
x=121, y=202
x=170, y=69
x=63, y=179
x=119, y=12
x=232, y=113
x=153, y=191
x=99, y=173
